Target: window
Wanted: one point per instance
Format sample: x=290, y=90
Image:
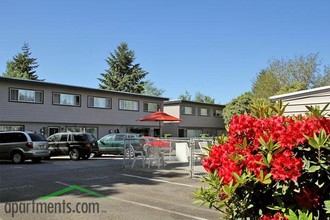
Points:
x=64, y=137
x=218, y=113
x=53, y=130
x=128, y=105
x=92, y=130
x=151, y=107
x=203, y=111
x=12, y=137
x=25, y=95
x=188, y=110
x=99, y=102
x=66, y=99
x=11, y=128
x=193, y=133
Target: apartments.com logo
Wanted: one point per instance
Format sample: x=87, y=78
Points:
x=45, y=207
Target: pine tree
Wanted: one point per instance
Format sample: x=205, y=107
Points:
x=122, y=74
x=22, y=65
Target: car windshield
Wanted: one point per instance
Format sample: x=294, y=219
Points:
x=90, y=137
x=37, y=137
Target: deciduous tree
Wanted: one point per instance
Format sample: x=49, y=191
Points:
x=150, y=89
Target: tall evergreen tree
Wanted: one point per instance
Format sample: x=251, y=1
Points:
x=22, y=65
x=122, y=74
x=265, y=85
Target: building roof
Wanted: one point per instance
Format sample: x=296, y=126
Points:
x=301, y=93
x=180, y=101
x=37, y=82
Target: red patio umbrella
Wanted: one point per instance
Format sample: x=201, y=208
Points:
x=160, y=117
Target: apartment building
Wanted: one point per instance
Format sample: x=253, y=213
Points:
x=50, y=107
x=297, y=101
x=198, y=118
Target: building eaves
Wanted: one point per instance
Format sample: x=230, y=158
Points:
x=180, y=101
x=300, y=93
x=36, y=82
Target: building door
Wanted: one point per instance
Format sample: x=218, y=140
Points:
x=53, y=130
x=181, y=132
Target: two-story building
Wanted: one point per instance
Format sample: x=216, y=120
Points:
x=197, y=118
x=49, y=108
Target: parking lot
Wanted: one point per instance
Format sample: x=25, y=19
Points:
x=98, y=188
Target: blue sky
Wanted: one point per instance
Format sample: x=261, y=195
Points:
x=214, y=47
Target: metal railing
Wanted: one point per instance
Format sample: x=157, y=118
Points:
x=183, y=153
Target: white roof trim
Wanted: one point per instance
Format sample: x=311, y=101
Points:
x=303, y=92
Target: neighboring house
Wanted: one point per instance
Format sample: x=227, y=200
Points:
x=50, y=107
x=297, y=101
x=197, y=118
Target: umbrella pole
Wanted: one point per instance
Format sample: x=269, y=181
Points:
x=160, y=129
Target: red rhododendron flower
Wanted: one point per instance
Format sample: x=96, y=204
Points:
x=286, y=167
x=277, y=216
x=308, y=198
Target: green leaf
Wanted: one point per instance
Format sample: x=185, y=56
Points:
x=314, y=168
x=327, y=206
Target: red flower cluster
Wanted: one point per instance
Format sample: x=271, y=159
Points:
x=286, y=167
x=288, y=132
x=277, y=216
x=308, y=198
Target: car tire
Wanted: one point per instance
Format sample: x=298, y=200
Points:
x=129, y=153
x=17, y=157
x=36, y=160
x=74, y=154
x=85, y=156
x=97, y=155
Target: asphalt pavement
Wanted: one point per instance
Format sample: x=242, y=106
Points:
x=98, y=188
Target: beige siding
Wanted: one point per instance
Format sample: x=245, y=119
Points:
x=298, y=101
x=38, y=116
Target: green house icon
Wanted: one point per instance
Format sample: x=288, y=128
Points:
x=68, y=189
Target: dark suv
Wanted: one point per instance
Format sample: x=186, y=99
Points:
x=21, y=145
x=75, y=144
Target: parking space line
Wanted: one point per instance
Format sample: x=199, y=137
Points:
x=158, y=180
x=158, y=208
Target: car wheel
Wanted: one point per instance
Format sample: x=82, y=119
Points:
x=36, y=160
x=97, y=155
x=85, y=156
x=129, y=153
x=17, y=157
x=74, y=154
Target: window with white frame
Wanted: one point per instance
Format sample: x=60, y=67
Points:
x=204, y=111
x=218, y=112
x=12, y=128
x=188, y=110
x=99, y=102
x=66, y=99
x=151, y=107
x=26, y=95
x=128, y=105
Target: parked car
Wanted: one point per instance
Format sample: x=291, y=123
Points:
x=114, y=143
x=75, y=144
x=156, y=142
x=19, y=146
